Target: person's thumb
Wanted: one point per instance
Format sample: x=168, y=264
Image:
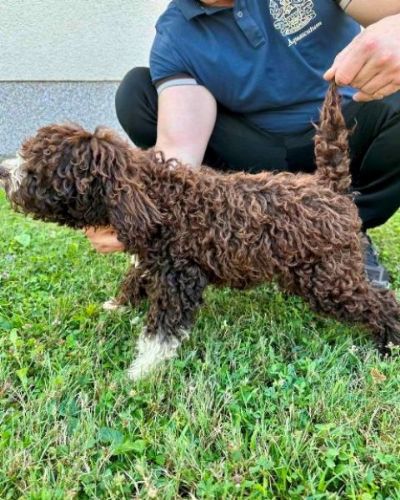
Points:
x=330, y=74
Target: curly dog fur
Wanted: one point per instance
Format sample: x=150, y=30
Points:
x=191, y=228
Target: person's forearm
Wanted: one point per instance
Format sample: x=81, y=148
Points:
x=186, y=118
x=367, y=12
x=186, y=154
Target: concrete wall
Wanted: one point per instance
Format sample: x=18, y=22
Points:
x=62, y=59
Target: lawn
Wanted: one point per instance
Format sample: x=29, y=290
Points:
x=266, y=400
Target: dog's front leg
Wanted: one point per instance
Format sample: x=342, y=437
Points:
x=175, y=297
x=132, y=291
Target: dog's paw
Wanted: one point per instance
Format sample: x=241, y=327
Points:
x=138, y=370
x=152, y=351
x=113, y=306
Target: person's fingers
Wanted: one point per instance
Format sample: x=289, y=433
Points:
x=98, y=231
x=348, y=62
x=377, y=85
x=104, y=239
x=379, y=67
x=365, y=75
x=108, y=246
x=109, y=249
x=371, y=62
x=378, y=93
x=390, y=89
x=353, y=60
x=330, y=73
x=362, y=97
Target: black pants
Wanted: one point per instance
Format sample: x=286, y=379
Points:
x=237, y=144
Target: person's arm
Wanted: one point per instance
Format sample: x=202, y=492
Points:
x=186, y=119
x=103, y=239
x=371, y=62
x=367, y=12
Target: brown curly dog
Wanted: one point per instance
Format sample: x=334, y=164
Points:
x=193, y=228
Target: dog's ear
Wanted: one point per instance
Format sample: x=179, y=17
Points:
x=133, y=214
x=58, y=184
x=131, y=211
x=74, y=173
x=60, y=154
x=79, y=181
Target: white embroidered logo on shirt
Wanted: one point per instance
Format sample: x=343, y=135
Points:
x=290, y=16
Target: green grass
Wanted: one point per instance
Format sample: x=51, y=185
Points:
x=266, y=400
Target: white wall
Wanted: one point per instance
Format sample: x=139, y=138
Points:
x=78, y=40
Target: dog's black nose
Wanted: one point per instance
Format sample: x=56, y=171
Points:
x=4, y=173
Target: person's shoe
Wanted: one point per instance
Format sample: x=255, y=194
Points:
x=376, y=273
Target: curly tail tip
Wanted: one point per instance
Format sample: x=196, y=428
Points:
x=332, y=144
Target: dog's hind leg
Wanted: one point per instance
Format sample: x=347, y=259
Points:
x=175, y=296
x=354, y=300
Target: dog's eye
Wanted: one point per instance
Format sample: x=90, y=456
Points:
x=47, y=152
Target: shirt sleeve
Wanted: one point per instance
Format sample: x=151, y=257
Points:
x=165, y=62
x=343, y=4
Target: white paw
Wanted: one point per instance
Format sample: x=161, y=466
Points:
x=112, y=305
x=139, y=369
x=152, y=351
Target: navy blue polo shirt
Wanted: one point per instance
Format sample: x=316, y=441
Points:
x=262, y=58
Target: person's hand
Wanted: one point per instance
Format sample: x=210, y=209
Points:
x=104, y=239
x=371, y=62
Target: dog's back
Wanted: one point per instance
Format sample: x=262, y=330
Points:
x=332, y=144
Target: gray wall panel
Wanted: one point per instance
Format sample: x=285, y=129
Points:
x=75, y=39
x=29, y=105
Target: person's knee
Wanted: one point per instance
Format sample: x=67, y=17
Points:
x=134, y=108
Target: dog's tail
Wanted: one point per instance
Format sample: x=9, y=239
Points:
x=332, y=144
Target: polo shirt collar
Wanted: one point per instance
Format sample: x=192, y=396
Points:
x=193, y=8
x=248, y=25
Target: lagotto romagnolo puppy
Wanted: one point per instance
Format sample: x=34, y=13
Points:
x=191, y=228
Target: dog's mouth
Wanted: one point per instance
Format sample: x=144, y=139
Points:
x=4, y=174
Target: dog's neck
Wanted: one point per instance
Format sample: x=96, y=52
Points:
x=133, y=207
x=141, y=195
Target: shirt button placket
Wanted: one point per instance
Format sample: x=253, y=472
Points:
x=247, y=24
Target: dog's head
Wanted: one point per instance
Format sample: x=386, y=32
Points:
x=61, y=174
